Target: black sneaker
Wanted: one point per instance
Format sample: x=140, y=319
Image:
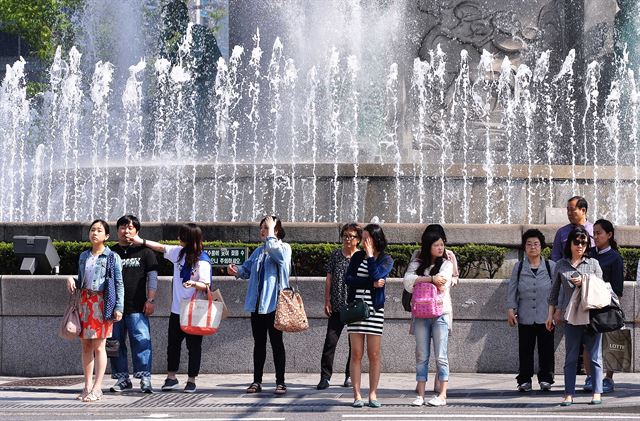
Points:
x=190, y=387
x=145, y=385
x=121, y=385
x=347, y=382
x=324, y=384
x=170, y=384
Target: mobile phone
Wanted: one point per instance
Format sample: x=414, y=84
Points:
x=575, y=274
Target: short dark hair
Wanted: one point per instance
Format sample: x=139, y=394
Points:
x=279, y=231
x=578, y=231
x=128, y=219
x=352, y=226
x=581, y=202
x=437, y=228
x=379, y=239
x=533, y=233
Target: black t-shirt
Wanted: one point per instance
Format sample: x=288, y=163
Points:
x=137, y=261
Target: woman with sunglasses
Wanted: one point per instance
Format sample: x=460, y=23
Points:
x=335, y=299
x=568, y=275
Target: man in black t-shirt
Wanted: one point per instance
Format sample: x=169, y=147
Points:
x=140, y=277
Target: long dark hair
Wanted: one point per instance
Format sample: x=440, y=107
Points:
x=378, y=237
x=191, y=235
x=607, y=226
x=428, y=238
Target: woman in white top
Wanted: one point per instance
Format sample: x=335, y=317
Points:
x=191, y=271
x=431, y=265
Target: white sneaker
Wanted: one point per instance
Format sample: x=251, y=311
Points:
x=419, y=401
x=545, y=386
x=437, y=401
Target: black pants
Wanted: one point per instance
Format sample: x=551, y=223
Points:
x=334, y=329
x=174, y=345
x=261, y=324
x=528, y=335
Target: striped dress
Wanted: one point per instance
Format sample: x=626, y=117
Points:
x=375, y=322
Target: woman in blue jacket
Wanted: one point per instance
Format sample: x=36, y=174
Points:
x=366, y=276
x=267, y=270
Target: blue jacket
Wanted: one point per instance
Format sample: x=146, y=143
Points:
x=99, y=275
x=378, y=268
x=275, y=257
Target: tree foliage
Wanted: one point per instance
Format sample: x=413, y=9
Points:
x=42, y=24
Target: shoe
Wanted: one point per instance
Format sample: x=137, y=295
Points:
x=82, y=394
x=281, y=389
x=358, y=403
x=121, y=385
x=595, y=402
x=347, y=382
x=419, y=401
x=374, y=403
x=545, y=386
x=93, y=396
x=437, y=401
x=190, y=387
x=524, y=387
x=567, y=403
x=607, y=385
x=169, y=384
x=254, y=388
x=588, y=384
x=145, y=385
x=324, y=384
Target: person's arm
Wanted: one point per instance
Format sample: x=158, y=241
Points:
x=152, y=286
x=153, y=245
x=244, y=271
x=117, y=272
x=379, y=268
x=617, y=276
x=410, y=276
x=454, y=261
x=512, y=297
x=327, y=295
x=204, y=277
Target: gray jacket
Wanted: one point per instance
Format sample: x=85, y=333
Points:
x=562, y=287
x=529, y=295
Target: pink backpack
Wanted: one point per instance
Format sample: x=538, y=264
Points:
x=426, y=302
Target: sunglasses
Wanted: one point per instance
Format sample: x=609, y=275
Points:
x=579, y=241
x=349, y=237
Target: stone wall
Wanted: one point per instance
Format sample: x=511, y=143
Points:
x=481, y=341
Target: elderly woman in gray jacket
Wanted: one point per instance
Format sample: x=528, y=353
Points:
x=529, y=289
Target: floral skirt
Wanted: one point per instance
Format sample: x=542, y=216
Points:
x=91, y=319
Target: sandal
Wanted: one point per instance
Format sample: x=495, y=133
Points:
x=281, y=389
x=254, y=388
x=82, y=394
x=93, y=396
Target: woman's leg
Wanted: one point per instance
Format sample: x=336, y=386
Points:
x=572, y=341
x=194, y=346
x=259, y=330
x=100, y=355
x=87, y=363
x=175, y=336
x=546, y=354
x=374, y=343
x=357, y=351
x=422, y=332
x=277, y=348
x=440, y=335
x=526, y=347
x=593, y=343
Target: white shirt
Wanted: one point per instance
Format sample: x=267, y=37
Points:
x=89, y=269
x=201, y=273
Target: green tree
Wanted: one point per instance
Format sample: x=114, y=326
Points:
x=42, y=24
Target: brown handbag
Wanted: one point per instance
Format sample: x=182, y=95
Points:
x=290, y=315
x=70, y=327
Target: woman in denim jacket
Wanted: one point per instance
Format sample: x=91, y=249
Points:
x=267, y=270
x=99, y=276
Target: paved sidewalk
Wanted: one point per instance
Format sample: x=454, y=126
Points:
x=219, y=394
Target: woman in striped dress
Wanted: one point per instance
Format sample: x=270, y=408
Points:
x=365, y=278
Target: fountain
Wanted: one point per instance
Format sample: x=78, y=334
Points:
x=359, y=121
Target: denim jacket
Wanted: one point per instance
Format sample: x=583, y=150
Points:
x=275, y=256
x=99, y=275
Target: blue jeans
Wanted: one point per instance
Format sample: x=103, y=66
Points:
x=137, y=327
x=573, y=337
x=424, y=330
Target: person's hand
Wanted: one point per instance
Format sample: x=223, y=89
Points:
x=379, y=283
x=71, y=285
x=117, y=316
x=512, y=318
x=232, y=269
x=367, y=246
x=148, y=308
x=327, y=308
x=577, y=281
x=189, y=284
x=270, y=223
x=134, y=239
x=438, y=280
x=549, y=324
x=557, y=318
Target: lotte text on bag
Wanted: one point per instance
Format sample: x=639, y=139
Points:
x=200, y=317
x=616, y=350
